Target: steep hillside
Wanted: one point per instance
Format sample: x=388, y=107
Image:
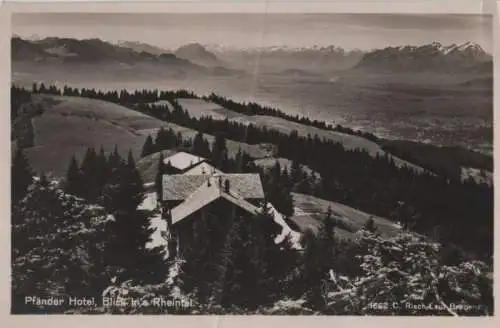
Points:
x=69, y=125
x=269, y=162
x=198, y=108
x=310, y=210
x=445, y=161
x=348, y=141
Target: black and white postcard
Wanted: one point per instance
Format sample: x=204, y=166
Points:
x=265, y=163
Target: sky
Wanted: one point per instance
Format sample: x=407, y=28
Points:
x=349, y=31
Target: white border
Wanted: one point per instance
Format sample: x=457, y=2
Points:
x=354, y=6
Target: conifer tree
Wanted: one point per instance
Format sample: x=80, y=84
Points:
x=90, y=174
x=296, y=172
x=196, y=273
x=148, y=147
x=318, y=259
x=44, y=180
x=103, y=169
x=200, y=146
x=133, y=188
x=222, y=264
x=370, y=225
x=131, y=230
x=114, y=160
x=287, y=269
x=159, y=176
x=165, y=139
x=74, y=182
x=178, y=140
x=326, y=238
x=248, y=269
x=21, y=176
x=313, y=274
x=65, y=255
x=219, y=152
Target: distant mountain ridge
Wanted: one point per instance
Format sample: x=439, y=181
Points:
x=282, y=48
x=126, y=54
x=195, y=58
x=198, y=54
x=276, y=59
x=433, y=56
x=142, y=47
x=74, y=50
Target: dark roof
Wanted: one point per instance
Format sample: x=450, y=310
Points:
x=205, y=195
x=180, y=186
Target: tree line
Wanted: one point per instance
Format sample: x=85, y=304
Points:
x=137, y=97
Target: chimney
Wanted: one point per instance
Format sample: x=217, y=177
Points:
x=227, y=186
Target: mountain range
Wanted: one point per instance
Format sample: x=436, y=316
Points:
x=125, y=55
x=198, y=54
x=436, y=57
x=195, y=58
x=142, y=47
x=67, y=50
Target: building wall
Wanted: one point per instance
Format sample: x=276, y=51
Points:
x=218, y=216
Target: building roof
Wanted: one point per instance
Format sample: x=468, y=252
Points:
x=183, y=160
x=205, y=195
x=180, y=186
x=202, y=168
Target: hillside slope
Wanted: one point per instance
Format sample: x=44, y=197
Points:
x=69, y=125
x=349, y=142
x=197, y=108
x=310, y=210
x=268, y=163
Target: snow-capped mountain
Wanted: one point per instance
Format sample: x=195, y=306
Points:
x=142, y=47
x=279, y=58
x=216, y=48
x=433, y=56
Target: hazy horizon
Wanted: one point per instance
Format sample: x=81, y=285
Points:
x=349, y=31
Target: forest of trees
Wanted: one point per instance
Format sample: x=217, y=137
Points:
x=430, y=204
x=437, y=206
x=451, y=212
x=65, y=218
